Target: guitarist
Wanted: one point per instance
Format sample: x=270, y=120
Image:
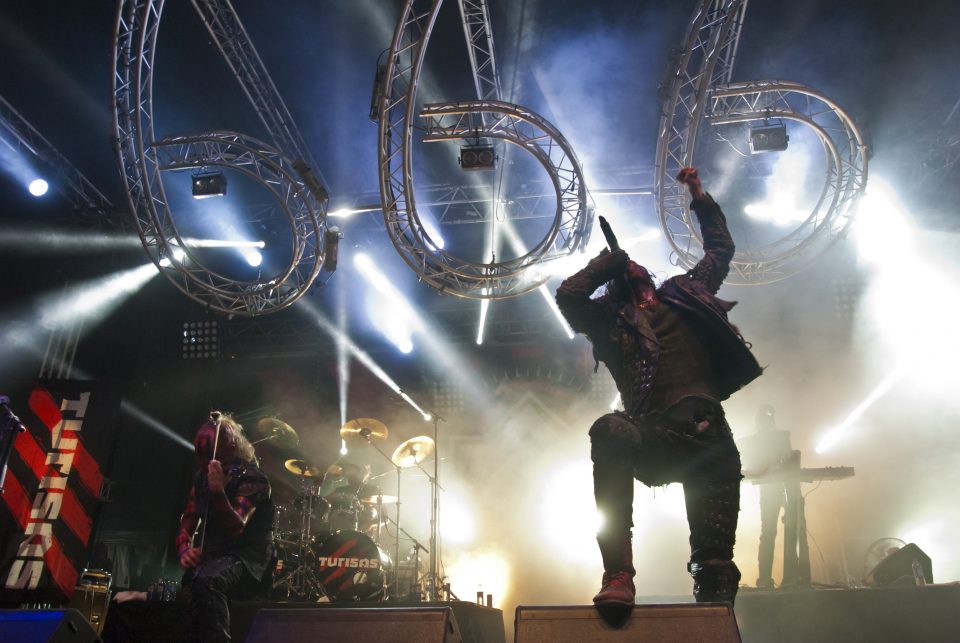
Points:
x=230, y=555
x=675, y=358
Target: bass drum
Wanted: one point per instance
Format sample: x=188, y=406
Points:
x=352, y=567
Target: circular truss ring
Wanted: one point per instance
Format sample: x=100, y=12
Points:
x=143, y=159
x=467, y=120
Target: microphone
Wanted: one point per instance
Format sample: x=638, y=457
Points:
x=611, y=238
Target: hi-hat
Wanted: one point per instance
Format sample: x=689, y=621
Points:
x=364, y=429
x=302, y=468
x=277, y=432
x=413, y=451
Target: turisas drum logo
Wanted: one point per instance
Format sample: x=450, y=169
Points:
x=362, y=563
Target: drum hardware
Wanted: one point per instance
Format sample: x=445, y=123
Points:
x=381, y=499
x=352, y=567
x=301, y=579
x=301, y=468
x=412, y=452
x=278, y=432
x=371, y=431
x=364, y=429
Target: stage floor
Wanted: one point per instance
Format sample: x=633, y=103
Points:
x=894, y=615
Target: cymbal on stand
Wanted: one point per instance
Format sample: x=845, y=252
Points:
x=276, y=431
x=302, y=468
x=413, y=451
x=364, y=429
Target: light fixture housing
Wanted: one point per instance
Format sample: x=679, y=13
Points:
x=209, y=184
x=768, y=138
x=477, y=158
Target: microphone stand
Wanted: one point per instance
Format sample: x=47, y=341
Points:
x=10, y=427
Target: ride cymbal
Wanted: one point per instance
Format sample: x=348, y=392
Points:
x=277, y=432
x=413, y=451
x=301, y=468
x=364, y=429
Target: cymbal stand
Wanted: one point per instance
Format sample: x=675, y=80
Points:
x=417, y=546
x=365, y=433
x=434, y=583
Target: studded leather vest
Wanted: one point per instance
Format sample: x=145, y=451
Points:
x=621, y=334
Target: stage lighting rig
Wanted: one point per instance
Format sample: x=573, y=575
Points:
x=768, y=138
x=209, y=184
x=477, y=158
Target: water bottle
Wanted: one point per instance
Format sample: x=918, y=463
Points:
x=918, y=576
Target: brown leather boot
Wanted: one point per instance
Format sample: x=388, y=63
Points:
x=617, y=585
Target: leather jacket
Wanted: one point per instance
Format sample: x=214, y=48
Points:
x=621, y=335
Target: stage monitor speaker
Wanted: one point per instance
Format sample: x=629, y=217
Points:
x=347, y=624
x=46, y=626
x=680, y=623
x=897, y=568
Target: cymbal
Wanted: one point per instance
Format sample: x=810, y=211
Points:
x=350, y=471
x=413, y=451
x=276, y=431
x=364, y=429
x=302, y=468
x=379, y=499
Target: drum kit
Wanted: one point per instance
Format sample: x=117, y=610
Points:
x=331, y=538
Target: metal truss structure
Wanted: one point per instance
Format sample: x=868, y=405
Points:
x=282, y=168
x=700, y=91
x=486, y=118
x=476, y=28
x=83, y=195
x=845, y=179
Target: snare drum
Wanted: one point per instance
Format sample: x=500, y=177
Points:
x=352, y=567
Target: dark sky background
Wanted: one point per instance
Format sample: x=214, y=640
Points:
x=592, y=69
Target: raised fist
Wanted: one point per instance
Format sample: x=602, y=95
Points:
x=691, y=179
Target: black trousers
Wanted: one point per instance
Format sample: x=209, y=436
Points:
x=207, y=589
x=690, y=443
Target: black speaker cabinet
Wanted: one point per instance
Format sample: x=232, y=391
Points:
x=343, y=625
x=680, y=623
x=897, y=568
x=45, y=626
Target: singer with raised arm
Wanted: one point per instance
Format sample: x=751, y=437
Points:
x=225, y=541
x=674, y=357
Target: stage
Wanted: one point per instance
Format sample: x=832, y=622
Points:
x=891, y=615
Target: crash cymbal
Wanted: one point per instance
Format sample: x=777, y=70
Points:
x=364, y=429
x=379, y=499
x=278, y=432
x=413, y=451
x=302, y=468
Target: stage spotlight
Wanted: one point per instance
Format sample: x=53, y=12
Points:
x=768, y=138
x=476, y=158
x=253, y=257
x=178, y=255
x=38, y=187
x=209, y=184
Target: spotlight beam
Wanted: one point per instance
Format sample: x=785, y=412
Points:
x=358, y=353
x=838, y=433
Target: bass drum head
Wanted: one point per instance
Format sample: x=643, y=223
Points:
x=352, y=567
